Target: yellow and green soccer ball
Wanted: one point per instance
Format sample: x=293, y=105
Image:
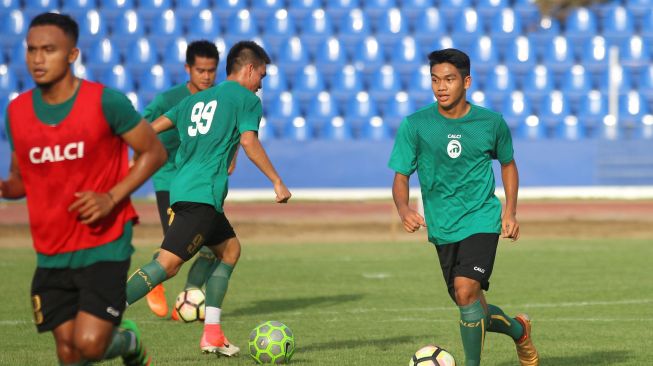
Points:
x=271, y=342
x=432, y=356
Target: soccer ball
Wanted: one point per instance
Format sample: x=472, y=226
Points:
x=432, y=356
x=271, y=342
x=190, y=305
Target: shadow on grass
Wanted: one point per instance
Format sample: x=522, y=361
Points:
x=590, y=358
x=279, y=305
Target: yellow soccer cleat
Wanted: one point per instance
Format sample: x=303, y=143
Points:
x=156, y=300
x=526, y=351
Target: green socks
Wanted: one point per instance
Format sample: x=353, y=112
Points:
x=121, y=343
x=216, y=286
x=499, y=322
x=144, y=280
x=200, y=271
x=472, y=331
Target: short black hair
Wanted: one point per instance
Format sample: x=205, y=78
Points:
x=62, y=21
x=452, y=56
x=246, y=52
x=201, y=48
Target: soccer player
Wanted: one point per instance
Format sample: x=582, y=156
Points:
x=69, y=140
x=451, y=145
x=202, y=60
x=211, y=124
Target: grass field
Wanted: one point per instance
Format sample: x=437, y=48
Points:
x=376, y=303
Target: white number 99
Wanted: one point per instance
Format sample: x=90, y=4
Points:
x=201, y=117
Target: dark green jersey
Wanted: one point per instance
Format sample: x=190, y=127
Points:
x=210, y=123
x=170, y=139
x=453, y=159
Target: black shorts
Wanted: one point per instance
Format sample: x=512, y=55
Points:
x=194, y=225
x=472, y=257
x=59, y=294
x=163, y=204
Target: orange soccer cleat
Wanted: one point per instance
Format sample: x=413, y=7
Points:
x=156, y=300
x=214, y=341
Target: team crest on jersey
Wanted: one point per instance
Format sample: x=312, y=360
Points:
x=454, y=148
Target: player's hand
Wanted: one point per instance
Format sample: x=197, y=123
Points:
x=283, y=194
x=411, y=219
x=510, y=227
x=92, y=206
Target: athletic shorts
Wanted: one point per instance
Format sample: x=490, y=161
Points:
x=472, y=257
x=58, y=294
x=194, y=225
x=163, y=204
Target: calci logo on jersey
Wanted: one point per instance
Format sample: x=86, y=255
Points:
x=454, y=147
x=51, y=154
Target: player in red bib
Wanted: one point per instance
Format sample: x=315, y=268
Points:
x=69, y=140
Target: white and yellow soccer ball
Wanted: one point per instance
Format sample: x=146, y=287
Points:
x=432, y=356
x=190, y=305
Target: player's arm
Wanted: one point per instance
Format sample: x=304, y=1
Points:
x=411, y=219
x=162, y=123
x=255, y=152
x=510, y=178
x=13, y=187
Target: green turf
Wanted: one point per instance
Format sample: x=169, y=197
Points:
x=376, y=303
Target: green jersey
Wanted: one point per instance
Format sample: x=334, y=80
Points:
x=170, y=139
x=453, y=159
x=210, y=123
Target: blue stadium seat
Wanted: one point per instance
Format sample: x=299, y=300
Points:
x=413, y=8
x=127, y=27
x=570, y=129
x=558, y=57
x=375, y=9
x=618, y=77
x=429, y=27
x=7, y=6
x=635, y=55
x=340, y=8
x=278, y=29
x=74, y=8
x=406, y=57
x=82, y=72
x=33, y=8
x=360, y=109
x=140, y=56
x=531, y=129
x=315, y=29
x=112, y=9
x=451, y=9
x=500, y=83
x=528, y=11
x=203, y=25
x=593, y=109
x=308, y=82
x=483, y=55
x=283, y=108
x=174, y=59
x=645, y=129
x=186, y=9
x=554, y=109
x=102, y=56
x=515, y=109
x=542, y=34
x=153, y=81
x=8, y=82
x=618, y=26
x=292, y=56
x=479, y=98
x=576, y=84
x=391, y=27
x=136, y=101
x=274, y=83
x=298, y=130
x=608, y=129
x=400, y=106
x=632, y=108
x=646, y=29
x=150, y=10
x=92, y=29
x=505, y=28
x=538, y=84
x=265, y=131
x=375, y=129
x=645, y=84
x=384, y=84
x=467, y=28
x=639, y=8
x=369, y=56
x=580, y=27
x=18, y=62
x=419, y=87
x=166, y=26
x=13, y=28
x=227, y=9
x=337, y=129
x=119, y=78
x=321, y=110
x=300, y=9
x=354, y=27
x=520, y=57
x=241, y=26
x=489, y=9
x=263, y=9
x=330, y=57
x=346, y=83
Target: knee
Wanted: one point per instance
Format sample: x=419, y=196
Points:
x=465, y=295
x=171, y=266
x=91, y=348
x=231, y=253
x=67, y=353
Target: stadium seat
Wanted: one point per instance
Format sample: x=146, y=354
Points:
x=483, y=55
x=500, y=83
x=413, y=8
x=340, y=8
x=554, y=109
x=354, y=27
x=639, y=8
x=274, y=83
x=632, y=108
x=407, y=56
x=279, y=28
x=150, y=10
x=489, y=9
x=635, y=55
x=308, y=82
x=337, y=129
x=467, y=28
x=520, y=57
x=528, y=11
x=429, y=27
x=645, y=129
x=537, y=84
x=33, y=8
x=186, y=9
x=451, y=9
x=618, y=26
x=227, y=9
x=391, y=27
x=74, y=8
x=18, y=62
x=375, y=9
x=369, y=57
x=593, y=108
x=153, y=81
x=165, y=27
x=8, y=82
x=617, y=77
x=419, y=87
x=570, y=129
x=531, y=129
x=315, y=29
x=112, y=9
x=136, y=101
x=645, y=84
x=301, y=9
x=375, y=129
x=384, y=84
x=346, y=83
x=203, y=25
x=241, y=26
x=281, y=109
x=515, y=109
x=7, y=6
x=13, y=28
x=505, y=28
x=330, y=57
x=91, y=29
x=576, y=84
x=127, y=28
x=263, y=9
x=360, y=109
x=321, y=110
x=82, y=72
x=558, y=57
x=140, y=56
x=102, y=56
x=596, y=57
x=399, y=106
x=297, y=129
x=608, y=129
x=542, y=33
x=174, y=58
x=119, y=78
x=580, y=27
x=265, y=132
x=292, y=56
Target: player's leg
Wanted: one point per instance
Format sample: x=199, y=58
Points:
x=63, y=339
x=156, y=299
x=472, y=318
x=201, y=270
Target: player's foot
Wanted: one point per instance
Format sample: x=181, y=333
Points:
x=139, y=357
x=174, y=315
x=214, y=341
x=525, y=349
x=156, y=300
